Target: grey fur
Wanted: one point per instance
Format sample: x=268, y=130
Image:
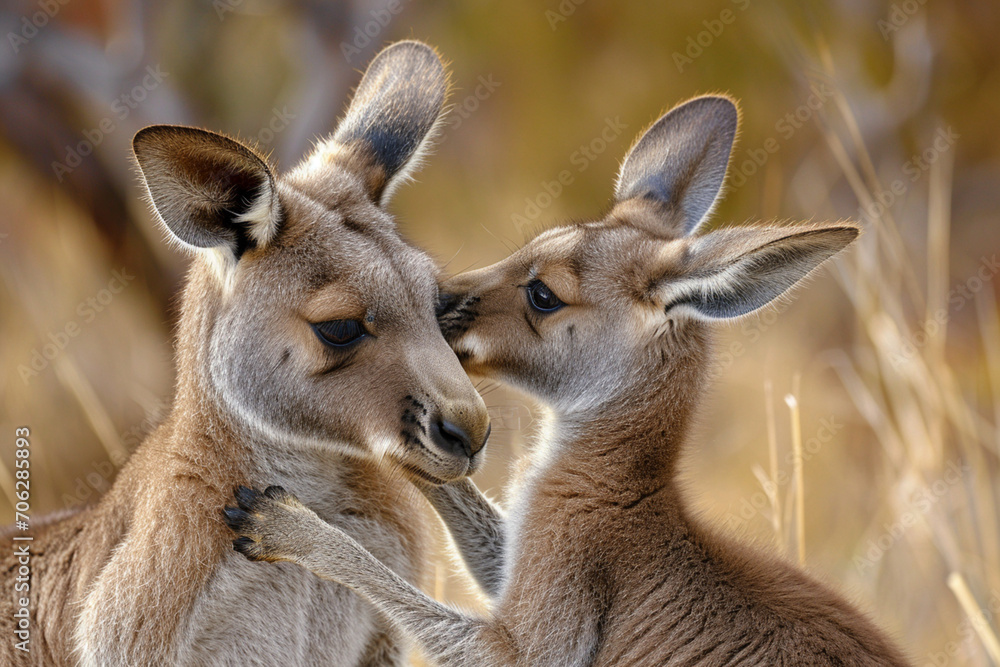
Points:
x=604, y=563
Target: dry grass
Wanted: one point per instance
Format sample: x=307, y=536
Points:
x=879, y=468
x=921, y=412
x=932, y=514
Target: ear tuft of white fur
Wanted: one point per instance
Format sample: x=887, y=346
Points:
x=213, y=194
x=737, y=271
x=263, y=216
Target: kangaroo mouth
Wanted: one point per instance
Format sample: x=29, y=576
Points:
x=421, y=462
x=421, y=474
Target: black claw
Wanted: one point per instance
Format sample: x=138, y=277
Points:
x=245, y=546
x=275, y=492
x=235, y=517
x=246, y=497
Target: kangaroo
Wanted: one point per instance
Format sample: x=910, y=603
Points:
x=608, y=323
x=308, y=351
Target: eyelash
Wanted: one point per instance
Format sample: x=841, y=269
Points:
x=340, y=334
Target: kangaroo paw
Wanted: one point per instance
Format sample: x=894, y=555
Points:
x=265, y=522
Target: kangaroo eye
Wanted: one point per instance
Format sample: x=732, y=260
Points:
x=340, y=333
x=542, y=298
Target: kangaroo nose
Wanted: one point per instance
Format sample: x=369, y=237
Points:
x=454, y=440
x=446, y=302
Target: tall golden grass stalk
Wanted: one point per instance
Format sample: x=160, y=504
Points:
x=958, y=585
x=921, y=412
x=799, y=463
x=772, y=450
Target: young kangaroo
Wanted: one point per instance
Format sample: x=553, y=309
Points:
x=608, y=323
x=308, y=351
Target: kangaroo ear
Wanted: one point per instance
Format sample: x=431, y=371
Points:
x=681, y=160
x=208, y=190
x=733, y=272
x=391, y=117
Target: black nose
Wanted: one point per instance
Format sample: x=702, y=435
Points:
x=454, y=440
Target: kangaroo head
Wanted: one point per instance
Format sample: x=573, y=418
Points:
x=306, y=317
x=588, y=312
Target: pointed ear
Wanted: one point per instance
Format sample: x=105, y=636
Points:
x=208, y=190
x=681, y=160
x=391, y=118
x=733, y=272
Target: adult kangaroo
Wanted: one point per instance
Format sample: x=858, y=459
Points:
x=600, y=561
x=307, y=352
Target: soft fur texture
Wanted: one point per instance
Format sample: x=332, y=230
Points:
x=148, y=575
x=603, y=564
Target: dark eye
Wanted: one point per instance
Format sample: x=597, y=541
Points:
x=541, y=297
x=340, y=333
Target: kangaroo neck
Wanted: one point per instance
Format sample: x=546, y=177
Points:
x=630, y=444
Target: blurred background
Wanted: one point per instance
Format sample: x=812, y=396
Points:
x=884, y=375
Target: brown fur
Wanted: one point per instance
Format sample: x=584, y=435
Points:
x=148, y=575
x=603, y=563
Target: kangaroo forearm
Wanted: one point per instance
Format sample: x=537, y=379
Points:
x=476, y=526
x=275, y=526
x=445, y=635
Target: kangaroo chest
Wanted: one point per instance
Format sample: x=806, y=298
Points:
x=575, y=551
x=554, y=573
x=276, y=614
x=280, y=613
